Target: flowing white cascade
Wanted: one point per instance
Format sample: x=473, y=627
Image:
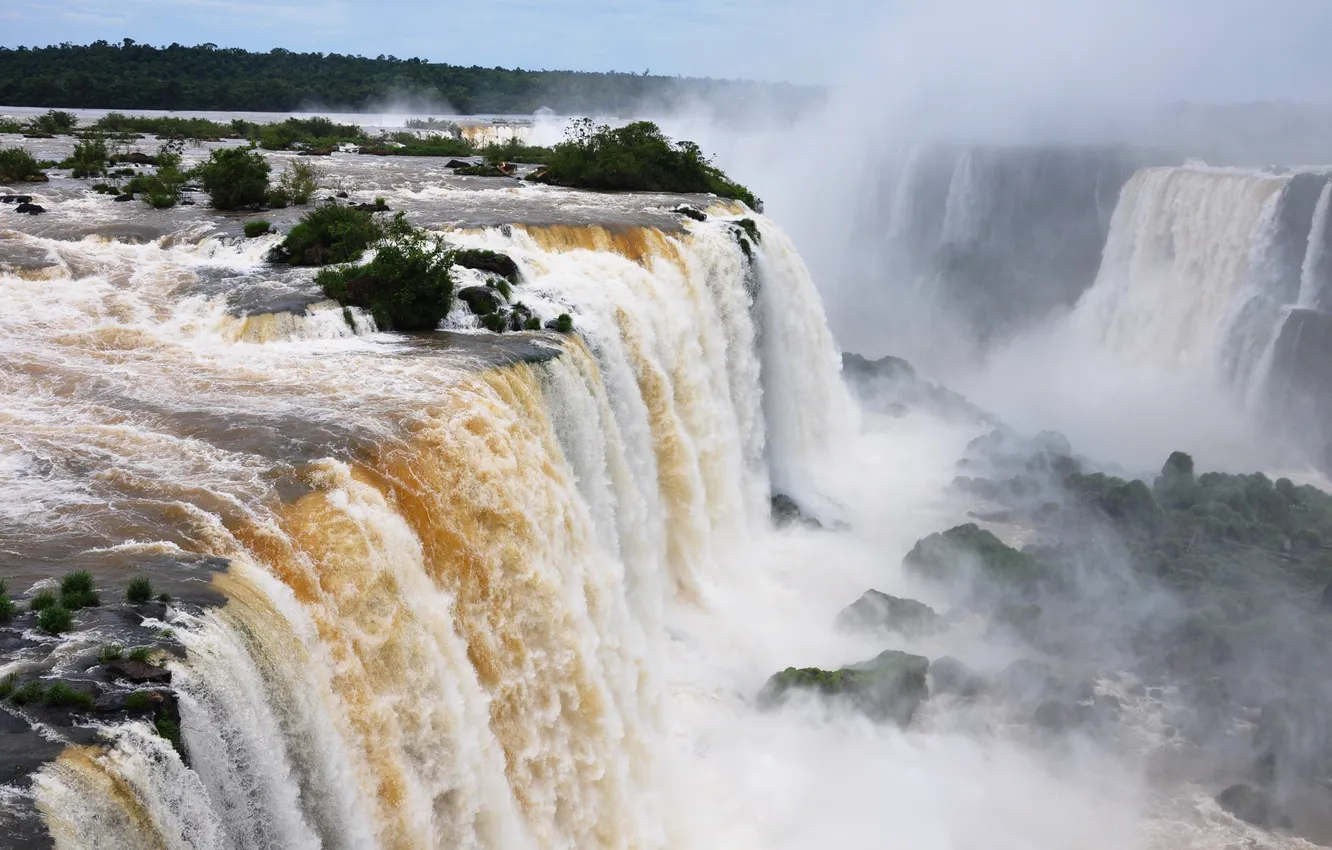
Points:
x=449, y=635
x=1315, y=269
x=1185, y=280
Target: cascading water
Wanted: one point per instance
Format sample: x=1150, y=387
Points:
x=450, y=635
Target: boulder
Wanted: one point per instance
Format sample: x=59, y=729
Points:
x=971, y=555
x=950, y=676
x=492, y=262
x=30, y=209
x=15, y=199
x=138, y=672
x=457, y=163
x=481, y=300
x=378, y=206
x=887, y=689
x=128, y=196
x=689, y=212
x=876, y=611
x=1252, y=805
x=786, y=511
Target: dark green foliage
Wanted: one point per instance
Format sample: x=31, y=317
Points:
x=112, y=652
x=127, y=75
x=18, y=166
x=7, y=686
x=409, y=144
x=165, y=126
x=254, y=229
x=887, y=688
x=532, y=324
x=496, y=322
x=106, y=189
x=139, y=591
x=637, y=158
x=54, y=123
x=487, y=261
x=564, y=323
x=169, y=729
x=406, y=287
x=76, y=591
x=61, y=695
x=969, y=552
x=313, y=133
x=139, y=701
x=55, y=620
x=235, y=178
x=7, y=606
x=42, y=600
x=483, y=170
x=164, y=598
x=750, y=227
x=515, y=151
x=141, y=653
x=28, y=693
x=329, y=234
x=89, y=158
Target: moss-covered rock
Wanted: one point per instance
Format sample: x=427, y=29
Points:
x=487, y=261
x=876, y=611
x=888, y=688
x=481, y=300
x=969, y=553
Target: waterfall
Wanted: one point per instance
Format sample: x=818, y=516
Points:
x=446, y=575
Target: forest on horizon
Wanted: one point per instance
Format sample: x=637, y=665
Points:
x=128, y=76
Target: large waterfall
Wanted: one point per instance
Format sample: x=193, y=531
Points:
x=444, y=569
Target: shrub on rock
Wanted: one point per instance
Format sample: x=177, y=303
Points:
x=139, y=591
x=327, y=235
x=19, y=166
x=888, y=688
x=254, y=229
x=235, y=178
x=876, y=611
x=55, y=620
x=407, y=286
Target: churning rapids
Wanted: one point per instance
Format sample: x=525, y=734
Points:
x=466, y=591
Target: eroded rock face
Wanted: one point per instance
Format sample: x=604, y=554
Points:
x=888, y=689
x=876, y=611
x=1252, y=805
x=786, y=511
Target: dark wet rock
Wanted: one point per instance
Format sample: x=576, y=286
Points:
x=690, y=212
x=492, y=262
x=15, y=199
x=1252, y=805
x=970, y=555
x=481, y=300
x=786, y=511
x=890, y=386
x=519, y=317
x=484, y=170
x=880, y=612
x=377, y=207
x=458, y=163
x=887, y=689
x=952, y=677
x=30, y=209
x=128, y=196
x=139, y=672
x=343, y=195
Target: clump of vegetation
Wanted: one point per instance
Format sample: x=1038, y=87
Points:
x=141, y=653
x=514, y=150
x=53, y=123
x=298, y=183
x=235, y=178
x=89, y=158
x=169, y=729
x=19, y=166
x=637, y=158
x=76, y=591
x=162, y=190
x=200, y=129
x=564, y=323
x=139, y=591
x=139, y=701
x=112, y=652
x=970, y=553
x=55, y=620
x=408, y=144
x=164, y=598
x=41, y=601
x=7, y=606
x=406, y=287
x=312, y=133
x=329, y=234
x=61, y=695
x=29, y=693
x=255, y=229
x=7, y=686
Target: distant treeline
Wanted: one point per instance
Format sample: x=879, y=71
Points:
x=129, y=76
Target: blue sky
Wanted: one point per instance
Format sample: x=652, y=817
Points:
x=1195, y=49
x=758, y=38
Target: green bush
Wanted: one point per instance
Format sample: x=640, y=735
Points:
x=61, y=695
x=637, y=158
x=169, y=729
x=532, y=324
x=235, y=178
x=316, y=133
x=76, y=591
x=139, y=701
x=7, y=606
x=165, y=126
x=564, y=324
x=18, y=166
x=329, y=234
x=55, y=620
x=54, y=122
x=299, y=182
x=29, y=692
x=408, y=286
x=7, y=686
x=112, y=652
x=139, y=591
x=164, y=598
x=255, y=229
x=43, y=600
x=515, y=151
x=141, y=653
x=89, y=158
